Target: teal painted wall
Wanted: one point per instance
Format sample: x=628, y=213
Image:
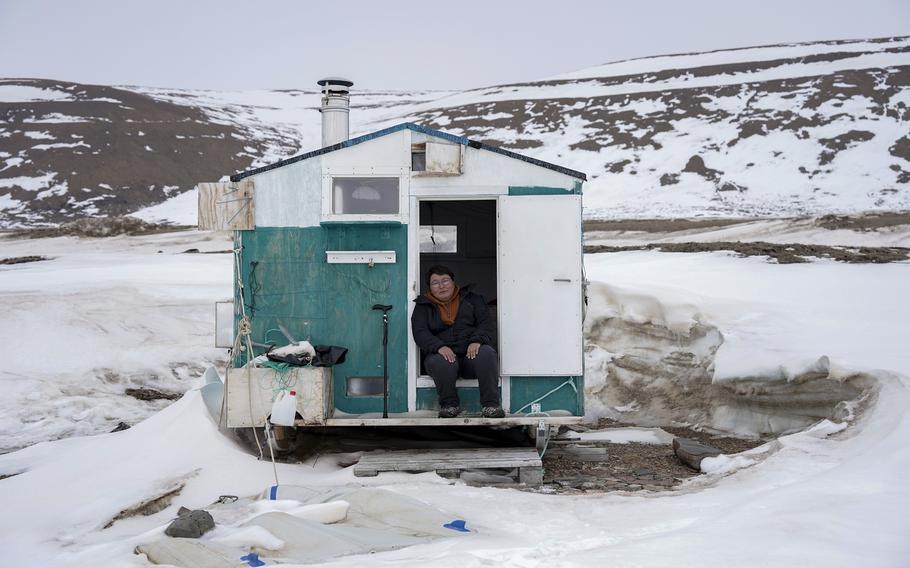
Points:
x=288, y=280
x=468, y=397
x=524, y=391
x=527, y=389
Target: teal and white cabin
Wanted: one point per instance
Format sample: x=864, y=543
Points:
x=321, y=237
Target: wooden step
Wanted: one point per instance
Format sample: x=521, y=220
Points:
x=529, y=464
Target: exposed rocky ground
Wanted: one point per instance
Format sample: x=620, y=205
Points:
x=89, y=150
x=632, y=466
x=781, y=253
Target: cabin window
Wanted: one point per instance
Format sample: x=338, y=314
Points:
x=438, y=239
x=365, y=195
x=419, y=158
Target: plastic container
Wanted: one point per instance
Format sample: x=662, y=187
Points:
x=284, y=409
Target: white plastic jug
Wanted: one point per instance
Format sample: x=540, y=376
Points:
x=284, y=409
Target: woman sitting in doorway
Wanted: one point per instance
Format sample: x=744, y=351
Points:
x=454, y=331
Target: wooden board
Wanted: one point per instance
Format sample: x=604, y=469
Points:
x=226, y=206
x=526, y=459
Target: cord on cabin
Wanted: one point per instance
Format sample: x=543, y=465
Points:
x=243, y=331
x=570, y=381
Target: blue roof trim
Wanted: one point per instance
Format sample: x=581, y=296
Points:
x=416, y=128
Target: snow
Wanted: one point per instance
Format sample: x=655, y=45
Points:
x=593, y=88
x=60, y=145
x=720, y=57
x=25, y=93
x=77, y=302
x=27, y=183
x=763, y=309
x=39, y=135
x=833, y=494
x=58, y=118
x=624, y=436
x=180, y=209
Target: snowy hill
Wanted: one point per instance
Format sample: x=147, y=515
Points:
x=782, y=130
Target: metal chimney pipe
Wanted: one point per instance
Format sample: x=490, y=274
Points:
x=335, y=109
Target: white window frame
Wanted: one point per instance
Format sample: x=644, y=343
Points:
x=402, y=174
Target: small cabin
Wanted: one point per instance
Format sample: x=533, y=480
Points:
x=322, y=237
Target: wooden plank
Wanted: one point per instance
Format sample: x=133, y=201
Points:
x=530, y=475
x=579, y=453
x=449, y=459
x=226, y=206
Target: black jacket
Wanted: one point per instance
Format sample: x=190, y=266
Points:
x=473, y=324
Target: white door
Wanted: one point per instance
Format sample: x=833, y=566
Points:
x=540, y=285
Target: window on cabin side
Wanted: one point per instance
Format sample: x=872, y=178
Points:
x=365, y=196
x=438, y=238
x=418, y=157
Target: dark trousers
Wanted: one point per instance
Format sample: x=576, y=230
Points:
x=484, y=367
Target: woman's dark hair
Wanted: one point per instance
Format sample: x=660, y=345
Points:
x=440, y=270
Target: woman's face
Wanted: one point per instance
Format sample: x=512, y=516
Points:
x=442, y=286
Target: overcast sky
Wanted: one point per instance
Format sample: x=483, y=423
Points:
x=396, y=44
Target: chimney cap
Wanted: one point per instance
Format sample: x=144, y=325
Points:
x=335, y=81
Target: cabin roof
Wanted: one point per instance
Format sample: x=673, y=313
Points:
x=416, y=128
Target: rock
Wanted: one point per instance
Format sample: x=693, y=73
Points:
x=691, y=452
x=151, y=394
x=190, y=524
x=669, y=179
x=121, y=426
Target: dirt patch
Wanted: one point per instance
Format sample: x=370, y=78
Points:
x=632, y=466
x=781, y=253
x=864, y=223
x=624, y=467
x=22, y=259
x=659, y=225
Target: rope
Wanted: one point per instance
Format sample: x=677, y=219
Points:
x=243, y=333
x=284, y=380
x=270, y=440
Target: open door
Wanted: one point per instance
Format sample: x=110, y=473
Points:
x=540, y=285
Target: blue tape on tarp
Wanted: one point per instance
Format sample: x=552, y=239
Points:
x=457, y=525
x=252, y=559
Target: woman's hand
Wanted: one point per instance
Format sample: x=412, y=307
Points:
x=448, y=354
x=473, y=349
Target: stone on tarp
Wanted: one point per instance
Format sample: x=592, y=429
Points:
x=190, y=524
x=691, y=452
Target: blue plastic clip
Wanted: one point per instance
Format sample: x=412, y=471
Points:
x=456, y=525
x=252, y=559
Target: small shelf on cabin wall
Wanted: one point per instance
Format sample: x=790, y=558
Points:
x=360, y=257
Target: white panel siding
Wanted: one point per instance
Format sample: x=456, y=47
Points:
x=290, y=196
x=487, y=173
x=392, y=150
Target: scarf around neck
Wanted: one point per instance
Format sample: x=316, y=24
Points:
x=447, y=310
